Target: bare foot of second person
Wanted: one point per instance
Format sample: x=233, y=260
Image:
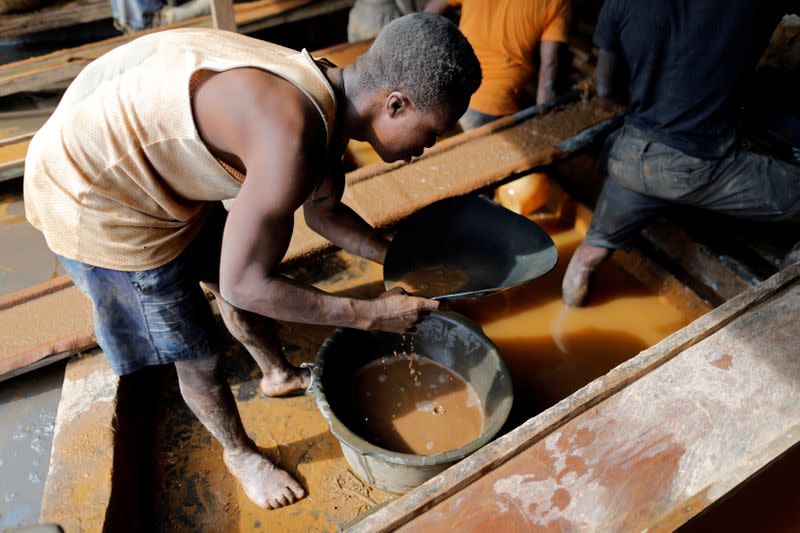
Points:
x=265, y=484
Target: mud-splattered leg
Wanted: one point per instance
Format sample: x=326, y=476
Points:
x=209, y=396
x=257, y=334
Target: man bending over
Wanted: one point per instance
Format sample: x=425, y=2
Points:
x=125, y=181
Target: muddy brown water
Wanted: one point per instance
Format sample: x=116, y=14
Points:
x=433, y=281
x=551, y=349
x=411, y=404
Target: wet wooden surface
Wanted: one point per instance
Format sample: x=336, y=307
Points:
x=649, y=445
x=54, y=15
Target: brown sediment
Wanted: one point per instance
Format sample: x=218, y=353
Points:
x=433, y=281
x=411, y=404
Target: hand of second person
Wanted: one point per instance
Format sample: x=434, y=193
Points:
x=398, y=312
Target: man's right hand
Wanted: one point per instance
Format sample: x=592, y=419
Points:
x=397, y=312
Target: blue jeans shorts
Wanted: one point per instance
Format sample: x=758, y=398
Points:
x=156, y=316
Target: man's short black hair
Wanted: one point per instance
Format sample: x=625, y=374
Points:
x=425, y=57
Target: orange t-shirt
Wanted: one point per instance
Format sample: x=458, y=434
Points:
x=504, y=35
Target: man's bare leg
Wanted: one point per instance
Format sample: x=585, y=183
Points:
x=584, y=262
x=209, y=397
x=257, y=334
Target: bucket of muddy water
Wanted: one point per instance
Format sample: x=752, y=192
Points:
x=406, y=407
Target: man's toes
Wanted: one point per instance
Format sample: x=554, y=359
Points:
x=297, y=490
x=273, y=504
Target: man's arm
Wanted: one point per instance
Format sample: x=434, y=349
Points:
x=555, y=33
x=548, y=50
x=606, y=73
x=275, y=138
x=326, y=214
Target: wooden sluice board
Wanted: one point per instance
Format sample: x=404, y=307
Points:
x=648, y=446
x=382, y=193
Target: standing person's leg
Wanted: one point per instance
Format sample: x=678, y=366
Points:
x=619, y=216
x=184, y=331
x=622, y=210
x=755, y=187
x=368, y=17
x=161, y=316
x=134, y=15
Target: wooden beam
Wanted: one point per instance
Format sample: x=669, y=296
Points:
x=54, y=16
x=222, y=16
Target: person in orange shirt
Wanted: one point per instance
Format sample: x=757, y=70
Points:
x=504, y=35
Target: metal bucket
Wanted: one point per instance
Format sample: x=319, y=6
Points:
x=449, y=339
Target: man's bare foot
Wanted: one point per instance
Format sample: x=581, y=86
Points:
x=266, y=485
x=284, y=382
x=585, y=260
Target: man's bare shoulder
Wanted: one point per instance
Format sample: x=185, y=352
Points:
x=239, y=106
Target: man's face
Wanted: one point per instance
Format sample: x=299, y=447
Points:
x=402, y=131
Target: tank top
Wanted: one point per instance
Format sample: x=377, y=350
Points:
x=119, y=177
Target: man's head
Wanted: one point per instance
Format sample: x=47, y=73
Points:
x=419, y=75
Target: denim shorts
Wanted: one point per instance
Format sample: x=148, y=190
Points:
x=156, y=316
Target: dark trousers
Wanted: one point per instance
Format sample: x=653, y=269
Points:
x=645, y=177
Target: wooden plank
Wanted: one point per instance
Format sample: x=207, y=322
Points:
x=54, y=16
x=62, y=66
x=726, y=276
x=732, y=361
x=16, y=130
x=222, y=17
x=382, y=198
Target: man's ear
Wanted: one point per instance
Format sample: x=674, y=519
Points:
x=397, y=104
